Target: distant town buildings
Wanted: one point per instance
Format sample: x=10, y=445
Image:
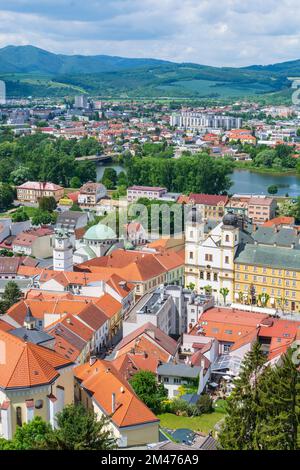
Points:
x=204, y=122
x=32, y=191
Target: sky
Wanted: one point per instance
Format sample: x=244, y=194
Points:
x=211, y=32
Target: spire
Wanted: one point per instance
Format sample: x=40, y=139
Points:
x=29, y=320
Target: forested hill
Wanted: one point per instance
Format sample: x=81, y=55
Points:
x=28, y=70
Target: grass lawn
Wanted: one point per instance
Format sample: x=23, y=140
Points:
x=203, y=423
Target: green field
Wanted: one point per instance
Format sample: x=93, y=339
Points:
x=204, y=423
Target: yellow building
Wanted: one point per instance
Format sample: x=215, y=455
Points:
x=101, y=388
x=34, y=381
x=270, y=270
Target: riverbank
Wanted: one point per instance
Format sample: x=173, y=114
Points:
x=265, y=171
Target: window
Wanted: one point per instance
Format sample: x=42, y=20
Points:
x=208, y=257
x=191, y=255
x=201, y=275
x=19, y=416
x=166, y=379
x=208, y=276
x=228, y=332
x=177, y=381
x=39, y=404
x=215, y=277
x=226, y=259
x=227, y=238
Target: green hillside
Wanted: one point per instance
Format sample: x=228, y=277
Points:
x=30, y=71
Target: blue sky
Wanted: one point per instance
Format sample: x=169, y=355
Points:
x=213, y=32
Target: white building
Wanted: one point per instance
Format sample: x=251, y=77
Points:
x=204, y=122
x=62, y=251
x=210, y=257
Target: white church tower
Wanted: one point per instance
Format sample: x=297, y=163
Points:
x=62, y=252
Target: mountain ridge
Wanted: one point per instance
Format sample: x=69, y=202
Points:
x=29, y=70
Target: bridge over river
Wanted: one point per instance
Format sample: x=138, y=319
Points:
x=96, y=158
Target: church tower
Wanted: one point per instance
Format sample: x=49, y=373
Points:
x=62, y=252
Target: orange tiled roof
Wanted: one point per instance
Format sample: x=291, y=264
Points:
x=228, y=325
x=101, y=380
x=27, y=365
x=109, y=305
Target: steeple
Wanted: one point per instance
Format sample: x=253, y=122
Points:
x=29, y=320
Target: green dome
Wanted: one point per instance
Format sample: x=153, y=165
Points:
x=100, y=232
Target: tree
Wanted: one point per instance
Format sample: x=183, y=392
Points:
x=224, y=291
x=75, y=182
x=238, y=431
x=205, y=404
x=32, y=435
x=12, y=293
x=80, y=429
x=263, y=299
x=278, y=426
x=191, y=286
x=44, y=218
x=20, y=215
x=208, y=290
x=273, y=189
x=109, y=178
x=20, y=175
x=77, y=429
x=47, y=204
x=148, y=389
x=7, y=196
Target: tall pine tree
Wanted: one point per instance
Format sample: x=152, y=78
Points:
x=240, y=424
x=278, y=426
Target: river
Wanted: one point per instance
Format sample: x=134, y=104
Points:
x=244, y=181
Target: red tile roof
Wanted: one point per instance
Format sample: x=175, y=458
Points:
x=101, y=380
x=25, y=365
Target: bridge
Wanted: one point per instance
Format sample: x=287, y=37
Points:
x=95, y=158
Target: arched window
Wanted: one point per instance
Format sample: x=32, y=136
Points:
x=227, y=238
x=19, y=416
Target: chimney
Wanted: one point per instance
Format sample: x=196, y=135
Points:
x=151, y=333
x=92, y=361
x=113, y=402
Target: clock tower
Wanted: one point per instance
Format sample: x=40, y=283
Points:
x=62, y=251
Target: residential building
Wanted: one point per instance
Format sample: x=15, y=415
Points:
x=261, y=209
x=32, y=191
x=164, y=307
x=271, y=270
x=174, y=376
x=35, y=242
x=102, y=389
x=209, y=206
x=136, y=192
x=144, y=270
x=34, y=381
x=90, y=194
x=204, y=122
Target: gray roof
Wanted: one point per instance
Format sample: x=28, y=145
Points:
x=179, y=370
x=32, y=336
x=272, y=256
x=285, y=237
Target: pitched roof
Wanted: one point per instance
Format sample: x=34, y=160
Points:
x=153, y=334
x=27, y=365
x=101, y=380
x=92, y=316
x=272, y=256
x=208, y=199
x=108, y=305
x=227, y=325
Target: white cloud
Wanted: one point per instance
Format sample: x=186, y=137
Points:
x=214, y=32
